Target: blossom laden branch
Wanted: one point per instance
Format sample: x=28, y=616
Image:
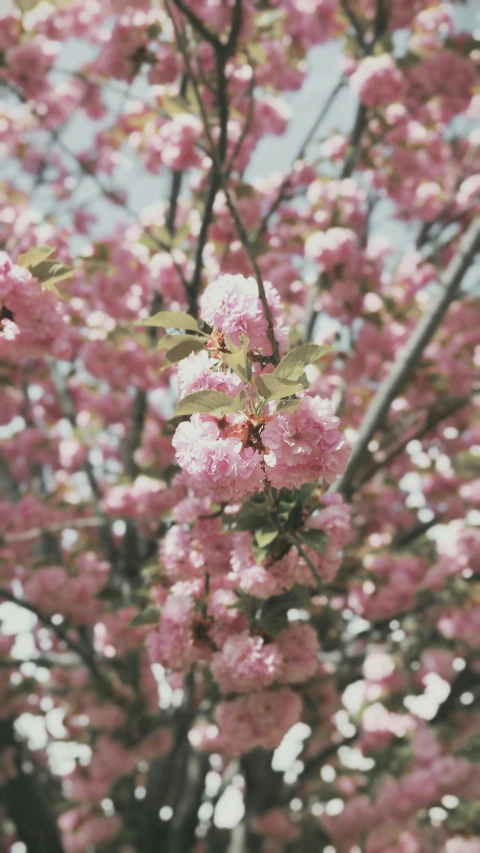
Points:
x=407, y=360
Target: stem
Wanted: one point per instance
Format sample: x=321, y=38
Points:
x=294, y=541
x=215, y=155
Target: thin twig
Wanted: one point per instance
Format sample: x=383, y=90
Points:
x=299, y=156
x=214, y=153
x=295, y=542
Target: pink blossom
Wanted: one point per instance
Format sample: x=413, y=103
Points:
x=269, y=579
x=28, y=64
x=40, y=323
x=167, y=67
x=216, y=465
x=232, y=304
x=261, y=719
x=276, y=822
x=377, y=81
x=177, y=140
x=199, y=372
x=332, y=248
x=246, y=664
x=298, y=646
x=172, y=644
x=304, y=445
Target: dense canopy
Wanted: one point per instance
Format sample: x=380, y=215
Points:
x=239, y=428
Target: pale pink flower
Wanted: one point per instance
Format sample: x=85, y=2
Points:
x=232, y=304
x=304, y=445
x=298, y=646
x=216, y=465
x=377, y=81
x=200, y=372
x=246, y=664
x=332, y=248
x=261, y=719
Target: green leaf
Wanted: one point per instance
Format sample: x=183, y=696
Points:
x=248, y=520
x=315, y=539
x=269, y=18
x=257, y=53
x=302, y=596
x=180, y=351
x=471, y=748
x=203, y=401
x=246, y=604
x=274, y=617
x=238, y=360
x=34, y=256
x=149, y=616
x=252, y=514
x=260, y=553
x=266, y=535
x=285, y=509
x=179, y=104
x=237, y=405
x=170, y=341
x=292, y=365
x=287, y=405
x=49, y=272
x=171, y=320
x=273, y=388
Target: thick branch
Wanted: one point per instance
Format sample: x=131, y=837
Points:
x=198, y=24
x=408, y=358
x=84, y=654
x=8, y=485
x=27, y=804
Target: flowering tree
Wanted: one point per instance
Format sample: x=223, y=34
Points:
x=239, y=431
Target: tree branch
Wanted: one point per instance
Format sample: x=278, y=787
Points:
x=408, y=358
x=432, y=421
x=298, y=156
x=198, y=24
x=85, y=655
x=215, y=154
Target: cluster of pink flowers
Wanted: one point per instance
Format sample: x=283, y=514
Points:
x=462, y=624
x=298, y=447
x=246, y=664
x=332, y=248
x=377, y=81
x=201, y=372
x=259, y=719
x=393, y=586
x=233, y=305
x=30, y=318
x=28, y=65
x=54, y=591
x=398, y=800
x=216, y=460
x=304, y=445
